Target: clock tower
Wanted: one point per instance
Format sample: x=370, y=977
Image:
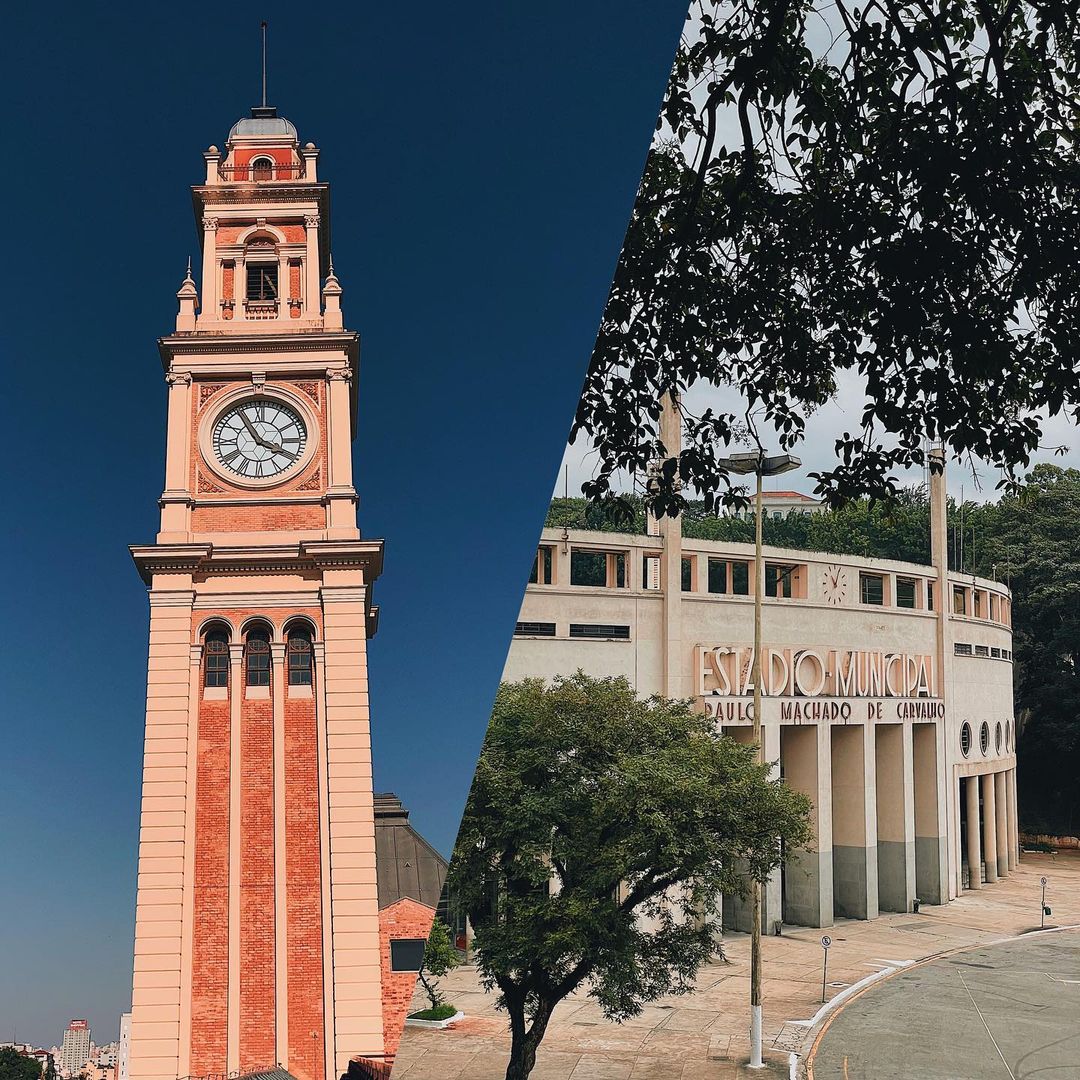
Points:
x=256, y=927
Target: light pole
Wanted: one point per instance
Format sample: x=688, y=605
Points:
x=761, y=466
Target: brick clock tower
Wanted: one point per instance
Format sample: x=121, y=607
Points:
x=257, y=923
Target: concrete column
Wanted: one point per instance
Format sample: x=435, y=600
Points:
x=895, y=817
x=675, y=683
x=561, y=565
x=986, y=782
x=855, y=888
x=931, y=836
x=772, y=891
x=808, y=876
x=1001, y=824
x=236, y=694
x=281, y=912
x=973, y=838
x=1014, y=831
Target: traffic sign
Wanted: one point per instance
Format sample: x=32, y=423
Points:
x=826, y=941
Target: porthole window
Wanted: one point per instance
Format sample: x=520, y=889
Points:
x=965, y=738
x=997, y=738
x=984, y=737
x=1008, y=736
x=216, y=663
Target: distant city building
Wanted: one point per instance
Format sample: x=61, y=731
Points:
x=782, y=504
x=75, y=1051
x=106, y=1055
x=123, y=1047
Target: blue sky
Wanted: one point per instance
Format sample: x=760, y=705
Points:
x=483, y=159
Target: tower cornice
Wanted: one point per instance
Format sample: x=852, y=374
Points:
x=207, y=558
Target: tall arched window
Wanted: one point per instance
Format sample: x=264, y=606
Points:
x=299, y=653
x=216, y=662
x=257, y=658
x=262, y=168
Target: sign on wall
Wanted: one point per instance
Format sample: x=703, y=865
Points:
x=727, y=670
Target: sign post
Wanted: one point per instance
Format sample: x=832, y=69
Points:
x=826, y=941
x=1043, y=909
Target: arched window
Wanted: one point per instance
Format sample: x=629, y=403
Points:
x=216, y=665
x=262, y=168
x=257, y=658
x=299, y=653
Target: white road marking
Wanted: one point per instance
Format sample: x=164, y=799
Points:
x=987, y=1026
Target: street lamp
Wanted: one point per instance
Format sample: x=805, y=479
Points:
x=761, y=465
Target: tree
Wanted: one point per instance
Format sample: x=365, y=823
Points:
x=16, y=1066
x=599, y=834
x=1032, y=539
x=440, y=958
x=888, y=188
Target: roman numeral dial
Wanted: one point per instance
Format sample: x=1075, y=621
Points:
x=259, y=438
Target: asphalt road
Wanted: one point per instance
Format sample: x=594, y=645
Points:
x=998, y=1012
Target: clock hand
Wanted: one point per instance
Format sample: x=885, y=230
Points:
x=279, y=450
x=251, y=427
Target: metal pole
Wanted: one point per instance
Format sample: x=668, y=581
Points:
x=824, y=971
x=755, y=887
x=1042, y=906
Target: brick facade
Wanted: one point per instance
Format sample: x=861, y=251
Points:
x=404, y=919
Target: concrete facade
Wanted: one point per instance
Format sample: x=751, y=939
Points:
x=887, y=696
x=257, y=924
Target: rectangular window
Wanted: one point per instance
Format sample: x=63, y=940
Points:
x=959, y=600
x=262, y=281
x=406, y=954
x=600, y=569
x=688, y=575
x=217, y=664
x=995, y=652
x=258, y=663
x=299, y=663
x=906, y=592
x=718, y=576
x=981, y=650
x=740, y=579
x=980, y=606
x=930, y=596
x=961, y=649
x=534, y=629
x=778, y=579
x=872, y=589
x=542, y=566
x=600, y=630
x=650, y=572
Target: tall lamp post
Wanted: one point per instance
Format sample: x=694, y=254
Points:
x=761, y=465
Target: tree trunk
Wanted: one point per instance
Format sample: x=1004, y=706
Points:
x=525, y=1043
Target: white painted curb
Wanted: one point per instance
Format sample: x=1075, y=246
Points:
x=436, y=1025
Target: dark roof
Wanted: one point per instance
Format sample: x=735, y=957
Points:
x=406, y=864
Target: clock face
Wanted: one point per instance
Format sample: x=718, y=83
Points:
x=834, y=584
x=259, y=438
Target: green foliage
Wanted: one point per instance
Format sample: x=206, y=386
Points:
x=900, y=201
x=1033, y=541
x=643, y=814
x=436, y=1012
x=16, y=1066
x=440, y=958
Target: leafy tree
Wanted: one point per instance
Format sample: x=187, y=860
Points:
x=886, y=188
x=599, y=833
x=16, y=1066
x=440, y=958
x=1032, y=539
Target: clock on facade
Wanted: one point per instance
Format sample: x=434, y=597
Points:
x=259, y=438
x=834, y=584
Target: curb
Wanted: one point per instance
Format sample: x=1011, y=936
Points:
x=828, y=1012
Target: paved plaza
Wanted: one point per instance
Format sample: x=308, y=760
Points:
x=1009, y=1010
x=703, y=1036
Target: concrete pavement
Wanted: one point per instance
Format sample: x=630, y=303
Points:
x=704, y=1036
